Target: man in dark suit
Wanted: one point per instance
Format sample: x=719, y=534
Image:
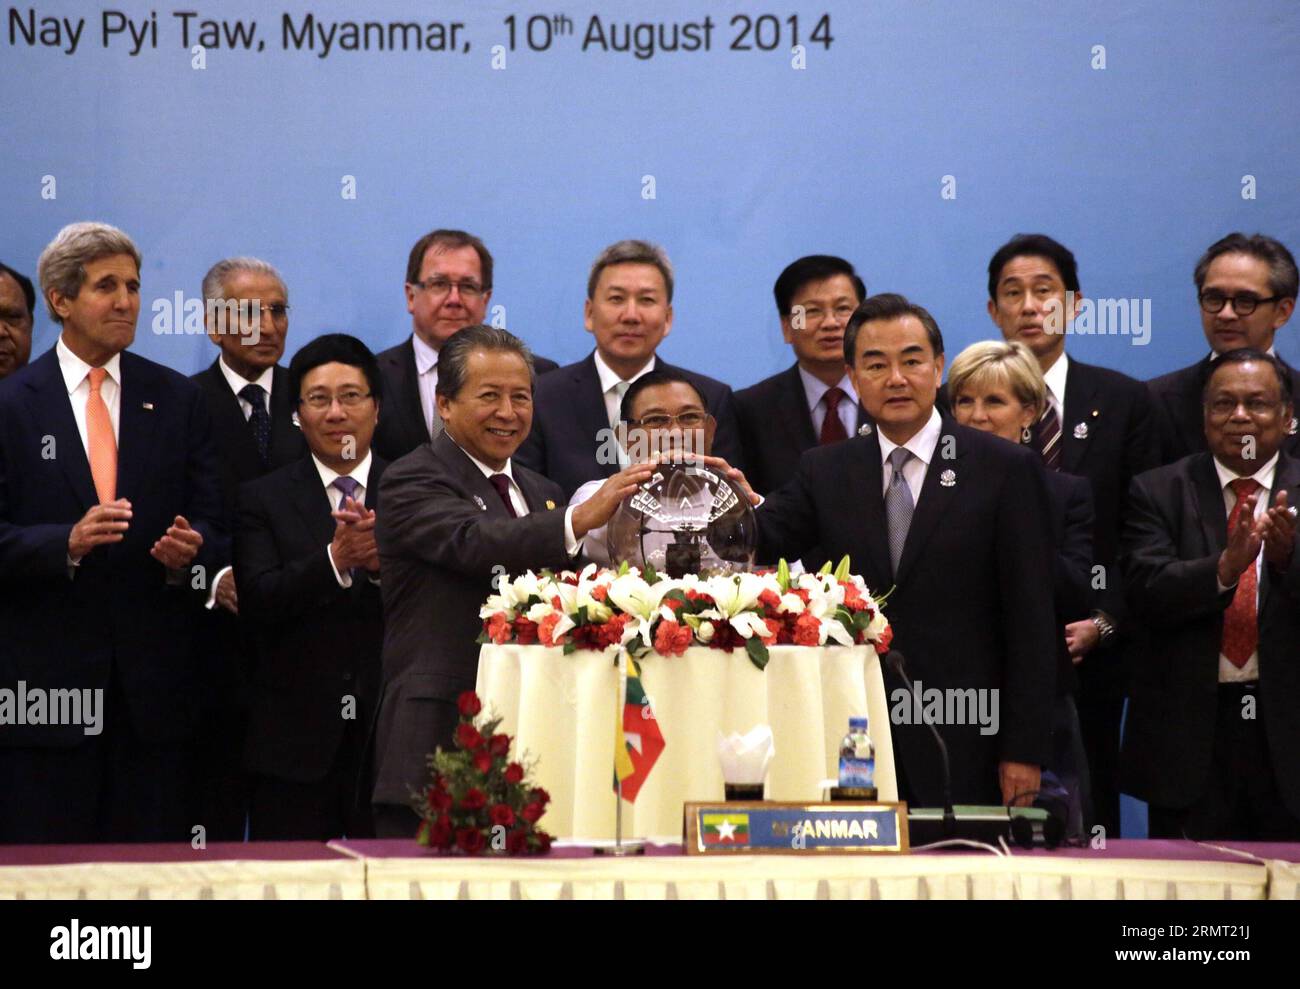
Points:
x=1212, y=740
x=812, y=402
x=308, y=570
x=957, y=522
x=251, y=406
x=452, y=515
x=17, y=309
x=629, y=311
x=448, y=287
x=1246, y=287
x=1097, y=424
x=108, y=497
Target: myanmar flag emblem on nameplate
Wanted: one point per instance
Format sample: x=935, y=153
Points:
x=725, y=829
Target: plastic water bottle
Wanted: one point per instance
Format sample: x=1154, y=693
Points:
x=857, y=758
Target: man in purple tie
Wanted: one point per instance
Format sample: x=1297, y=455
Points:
x=307, y=569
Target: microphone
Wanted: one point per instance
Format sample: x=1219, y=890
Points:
x=897, y=664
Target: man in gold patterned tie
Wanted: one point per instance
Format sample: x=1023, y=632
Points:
x=110, y=518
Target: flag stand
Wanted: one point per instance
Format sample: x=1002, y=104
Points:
x=620, y=848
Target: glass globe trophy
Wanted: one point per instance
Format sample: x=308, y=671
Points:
x=687, y=519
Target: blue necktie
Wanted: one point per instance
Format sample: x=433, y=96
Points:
x=259, y=421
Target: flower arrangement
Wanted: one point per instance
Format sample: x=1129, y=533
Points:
x=479, y=802
x=646, y=612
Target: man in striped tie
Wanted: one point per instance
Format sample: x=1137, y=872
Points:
x=110, y=515
x=1212, y=739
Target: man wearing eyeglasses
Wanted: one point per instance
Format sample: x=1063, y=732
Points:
x=246, y=314
x=813, y=402
x=1246, y=287
x=448, y=287
x=308, y=573
x=1212, y=740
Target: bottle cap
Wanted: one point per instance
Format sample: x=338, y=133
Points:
x=858, y=722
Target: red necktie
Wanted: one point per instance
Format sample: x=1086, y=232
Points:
x=502, y=483
x=832, y=425
x=1241, y=621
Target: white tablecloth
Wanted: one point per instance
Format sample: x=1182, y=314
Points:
x=561, y=711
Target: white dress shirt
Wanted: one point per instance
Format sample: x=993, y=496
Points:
x=426, y=369
x=815, y=389
x=1055, y=376
x=238, y=382
x=1228, y=672
x=76, y=375
x=360, y=474
x=609, y=382
x=922, y=445
x=521, y=506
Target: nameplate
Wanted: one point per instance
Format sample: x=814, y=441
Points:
x=780, y=828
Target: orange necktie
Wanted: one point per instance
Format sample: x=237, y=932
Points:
x=1241, y=620
x=101, y=446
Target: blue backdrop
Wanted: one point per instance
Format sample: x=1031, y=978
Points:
x=1137, y=166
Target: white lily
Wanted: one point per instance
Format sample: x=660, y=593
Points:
x=634, y=596
x=748, y=624
x=791, y=604
x=833, y=629
x=735, y=593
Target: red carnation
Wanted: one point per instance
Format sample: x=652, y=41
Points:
x=439, y=799
x=532, y=812
x=886, y=637
x=674, y=604
x=774, y=626
x=474, y=799
x=546, y=632
x=525, y=632
x=469, y=704
x=853, y=600
x=467, y=736
x=807, y=630
x=770, y=598
x=517, y=842
x=514, y=773
x=502, y=815
x=440, y=832
x=543, y=841
x=483, y=761
x=599, y=593
x=672, y=639
x=538, y=795
x=469, y=840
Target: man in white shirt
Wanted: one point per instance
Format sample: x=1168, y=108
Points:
x=1212, y=740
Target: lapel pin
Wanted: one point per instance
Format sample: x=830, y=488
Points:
x=1292, y=426
x=148, y=407
x=479, y=501
x=948, y=478
x=550, y=505
x=1081, y=431
x=864, y=429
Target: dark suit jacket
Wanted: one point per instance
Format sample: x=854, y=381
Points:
x=1180, y=417
x=118, y=615
x=569, y=414
x=1176, y=528
x=316, y=641
x=235, y=444
x=401, y=419
x=776, y=427
x=442, y=530
x=1070, y=498
x=972, y=601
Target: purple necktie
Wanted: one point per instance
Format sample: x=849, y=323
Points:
x=502, y=483
x=348, y=485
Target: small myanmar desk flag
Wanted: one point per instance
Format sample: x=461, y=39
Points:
x=637, y=739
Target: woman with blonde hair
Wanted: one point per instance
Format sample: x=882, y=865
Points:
x=997, y=387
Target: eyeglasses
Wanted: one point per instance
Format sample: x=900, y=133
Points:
x=1224, y=408
x=687, y=420
x=277, y=312
x=1244, y=304
x=441, y=287
x=319, y=401
x=815, y=316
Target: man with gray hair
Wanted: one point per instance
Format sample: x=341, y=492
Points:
x=629, y=310
x=110, y=509
x=246, y=314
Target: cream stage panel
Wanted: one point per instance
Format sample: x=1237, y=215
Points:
x=561, y=710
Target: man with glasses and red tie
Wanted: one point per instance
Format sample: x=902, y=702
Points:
x=811, y=403
x=1246, y=287
x=109, y=501
x=448, y=287
x=1212, y=737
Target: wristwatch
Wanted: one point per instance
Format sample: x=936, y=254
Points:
x=1104, y=626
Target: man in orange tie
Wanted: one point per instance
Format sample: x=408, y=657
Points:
x=110, y=518
x=1212, y=740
